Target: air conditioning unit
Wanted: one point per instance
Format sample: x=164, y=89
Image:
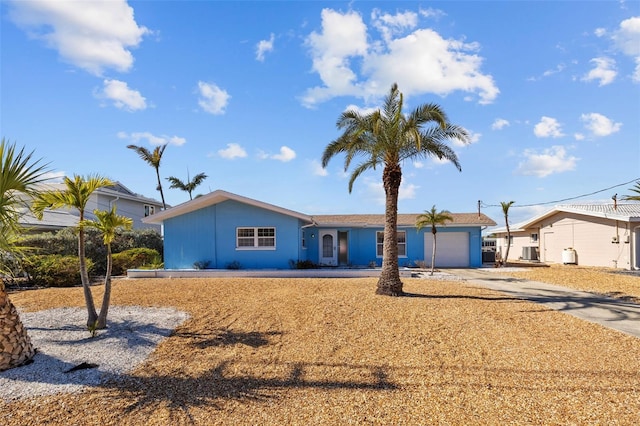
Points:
x=529, y=253
x=615, y=240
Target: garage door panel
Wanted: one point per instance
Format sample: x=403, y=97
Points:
x=452, y=249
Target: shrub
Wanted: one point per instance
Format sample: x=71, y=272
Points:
x=202, y=264
x=135, y=258
x=53, y=270
x=65, y=242
x=234, y=265
x=302, y=264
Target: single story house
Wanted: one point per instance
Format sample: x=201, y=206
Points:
x=128, y=204
x=224, y=230
x=585, y=234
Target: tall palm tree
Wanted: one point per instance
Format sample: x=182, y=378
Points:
x=505, y=210
x=636, y=190
x=19, y=175
x=388, y=137
x=190, y=185
x=432, y=218
x=107, y=223
x=152, y=158
x=76, y=195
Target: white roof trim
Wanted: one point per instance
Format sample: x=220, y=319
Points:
x=216, y=197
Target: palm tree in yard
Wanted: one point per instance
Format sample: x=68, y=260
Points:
x=76, y=195
x=386, y=138
x=432, y=218
x=19, y=175
x=636, y=190
x=152, y=158
x=190, y=185
x=505, y=210
x=108, y=223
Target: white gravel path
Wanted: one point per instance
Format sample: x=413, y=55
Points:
x=63, y=341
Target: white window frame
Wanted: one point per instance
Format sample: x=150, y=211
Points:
x=258, y=240
x=508, y=240
x=149, y=210
x=380, y=243
x=534, y=237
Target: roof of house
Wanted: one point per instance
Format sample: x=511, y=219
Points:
x=216, y=197
x=404, y=220
x=355, y=220
x=117, y=190
x=625, y=212
x=51, y=219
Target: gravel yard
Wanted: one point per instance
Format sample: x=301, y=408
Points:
x=329, y=351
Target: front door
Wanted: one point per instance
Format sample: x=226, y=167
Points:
x=328, y=247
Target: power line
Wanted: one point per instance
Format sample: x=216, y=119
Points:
x=565, y=199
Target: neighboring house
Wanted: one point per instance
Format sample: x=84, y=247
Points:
x=585, y=234
x=128, y=204
x=221, y=229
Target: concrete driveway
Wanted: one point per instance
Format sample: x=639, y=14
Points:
x=613, y=313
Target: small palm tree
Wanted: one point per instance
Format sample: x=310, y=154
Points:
x=505, y=210
x=153, y=159
x=190, y=185
x=636, y=190
x=19, y=175
x=76, y=195
x=107, y=223
x=432, y=218
x=388, y=137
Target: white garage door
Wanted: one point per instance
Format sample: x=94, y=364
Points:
x=452, y=249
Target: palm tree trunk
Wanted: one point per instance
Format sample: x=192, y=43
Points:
x=104, y=309
x=15, y=345
x=164, y=206
x=506, y=256
x=389, y=283
x=84, y=277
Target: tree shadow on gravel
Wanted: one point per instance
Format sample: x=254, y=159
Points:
x=180, y=395
x=458, y=296
x=226, y=337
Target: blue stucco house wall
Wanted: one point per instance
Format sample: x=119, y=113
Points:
x=222, y=230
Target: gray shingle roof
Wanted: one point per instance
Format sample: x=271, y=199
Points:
x=404, y=219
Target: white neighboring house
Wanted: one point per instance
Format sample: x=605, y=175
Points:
x=585, y=234
x=128, y=204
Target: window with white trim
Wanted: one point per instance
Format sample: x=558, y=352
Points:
x=402, y=243
x=149, y=210
x=534, y=238
x=255, y=238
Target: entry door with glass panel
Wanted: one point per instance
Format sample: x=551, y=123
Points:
x=328, y=247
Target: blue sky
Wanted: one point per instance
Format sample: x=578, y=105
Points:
x=249, y=93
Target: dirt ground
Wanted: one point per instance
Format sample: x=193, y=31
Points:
x=329, y=351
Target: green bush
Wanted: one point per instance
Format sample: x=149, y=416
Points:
x=135, y=258
x=65, y=243
x=53, y=270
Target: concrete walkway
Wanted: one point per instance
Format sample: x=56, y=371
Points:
x=617, y=314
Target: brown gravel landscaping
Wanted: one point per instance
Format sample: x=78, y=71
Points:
x=329, y=351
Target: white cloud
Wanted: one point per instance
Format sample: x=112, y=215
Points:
x=152, y=139
x=604, y=71
x=418, y=164
x=419, y=60
x=578, y=136
x=232, y=151
x=499, y=124
x=473, y=138
x=286, y=154
x=92, y=35
x=627, y=39
x=390, y=25
x=599, y=125
x=375, y=190
x=263, y=47
x=549, y=161
x=600, y=32
x=432, y=13
x=213, y=99
x=548, y=128
x=122, y=97
x=317, y=169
